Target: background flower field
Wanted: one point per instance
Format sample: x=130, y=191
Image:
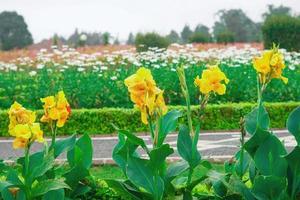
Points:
x=95, y=80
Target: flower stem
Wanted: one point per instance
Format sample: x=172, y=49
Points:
x=150, y=123
x=26, y=162
x=185, y=91
x=53, y=131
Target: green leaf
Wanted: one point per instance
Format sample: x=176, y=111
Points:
x=82, y=153
x=45, y=164
x=134, y=139
x=258, y=117
x=13, y=177
x=168, y=124
x=64, y=145
x=269, y=158
x=158, y=157
x=294, y=167
x=241, y=167
x=80, y=190
x=45, y=186
x=141, y=175
x=54, y=194
x=5, y=184
x=122, y=150
x=121, y=189
x=184, y=147
x=269, y=187
x=176, y=169
x=293, y=124
x=256, y=140
x=239, y=187
x=75, y=175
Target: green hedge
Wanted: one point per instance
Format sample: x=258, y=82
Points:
x=217, y=117
x=282, y=30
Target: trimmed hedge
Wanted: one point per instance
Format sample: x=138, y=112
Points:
x=217, y=117
x=282, y=30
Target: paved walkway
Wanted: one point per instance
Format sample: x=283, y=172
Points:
x=218, y=146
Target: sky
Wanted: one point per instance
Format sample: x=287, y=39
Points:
x=120, y=17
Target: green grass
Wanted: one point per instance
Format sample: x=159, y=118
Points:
x=114, y=172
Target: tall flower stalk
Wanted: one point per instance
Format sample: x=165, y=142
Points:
x=57, y=111
x=148, y=99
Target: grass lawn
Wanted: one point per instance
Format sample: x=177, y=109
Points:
x=114, y=172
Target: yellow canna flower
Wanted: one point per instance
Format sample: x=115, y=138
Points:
x=144, y=93
x=19, y=143
x=22, y=126
x=19, y=115
x=56, y=108
x=212, y=80
x=37, y=132
x=270, y=65
x=22, y=131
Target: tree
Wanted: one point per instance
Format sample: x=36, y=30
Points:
x=144, y=41
x=173, y=37
x=238, y=23
x=279, y=10
x=202, y=29
x=106, y=38
x=201, y=34
x=130, y=40
x=13, y=31
x=186, y=33
x=116, y=42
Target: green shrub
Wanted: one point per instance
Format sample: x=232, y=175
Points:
x=282, y=30
x=200, y=38
x=99, y=121
x=225, y=37
x=144, y=41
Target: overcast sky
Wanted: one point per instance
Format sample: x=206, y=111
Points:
x=46, y=17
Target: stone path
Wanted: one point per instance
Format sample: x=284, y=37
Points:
x=217, y=146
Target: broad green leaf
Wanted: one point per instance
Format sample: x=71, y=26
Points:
x=13, y=177
x=242, y=163
x=269, y=187
x=5, y=184
x=6, y=195
x=80, y=190
x=168, y=124
x=293, y=124
x=134, y=139
x=219, y=182
x=158, y=157
x=176, y=169
x=76, y=174
x=54, y=194
x=294, y=167
x=64, y=145
x=256, y=140
x=122, y=150
x=45, y=186
x=82, y=153
x=239, y=187
x=184, y=147
x=121, y=189
x=45, y=164
x=269, y=158
x=141, y=175
x=258, y=117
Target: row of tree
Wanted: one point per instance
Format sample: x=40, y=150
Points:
x=232, y=26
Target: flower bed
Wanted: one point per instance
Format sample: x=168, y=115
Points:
x=261, y=169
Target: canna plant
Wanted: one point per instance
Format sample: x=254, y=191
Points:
x=36, y=176
x=212, y=82
x=147, y=177
x=264, y=169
